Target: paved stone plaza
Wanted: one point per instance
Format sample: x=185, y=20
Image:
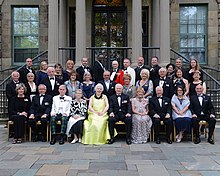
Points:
x=185, y=159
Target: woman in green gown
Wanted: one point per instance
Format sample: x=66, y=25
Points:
x=95, y=130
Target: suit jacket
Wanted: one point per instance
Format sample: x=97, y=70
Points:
x=111, y=89
x=80, y=72
x=39, y=109
x=118, y=77
x=61, y=106
x=138, y=71
x=125, y=104
x=98, y=71
x=47, y=83
x=154, y=107
x=10, y=90
x=207, y=106
x=23, y=74
x=154, y=74
x=168, y=89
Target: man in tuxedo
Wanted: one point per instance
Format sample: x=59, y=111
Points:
x=138, y=69
x=60, y=111
x=82, y=69
x=119, y=110
x=116, y=74
x=98, y=68
x=51, y=82
x=179, y=65
x=154, y=68
x=109, y=86
x=40, y=111
x=129, y=70
x=10, y=89
x=202, y=109
x=25, y=70
x=160, y=110
x=165, y=83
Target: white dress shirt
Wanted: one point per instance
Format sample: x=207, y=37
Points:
x=131, y=71
x=61, y=105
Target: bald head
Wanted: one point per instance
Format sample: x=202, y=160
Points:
x=115, y=64
x=15, y=76
x=159, y=91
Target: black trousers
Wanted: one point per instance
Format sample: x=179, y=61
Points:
x=167, y=122
x=19, y=123
x=120, y=116
x=32, y=124
x=211, y=122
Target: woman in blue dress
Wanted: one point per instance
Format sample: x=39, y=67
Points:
x=42, y=73
x=181, y=113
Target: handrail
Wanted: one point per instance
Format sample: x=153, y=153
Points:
x=10, y=68
x=177, y=53
x=210, y=76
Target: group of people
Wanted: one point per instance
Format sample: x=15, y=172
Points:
x=89, y=101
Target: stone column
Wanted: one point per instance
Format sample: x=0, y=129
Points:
x=164, y=32
x=136, y=29
x=62, y=31
x=53, y=32
x=156, y=23
x=80, y=30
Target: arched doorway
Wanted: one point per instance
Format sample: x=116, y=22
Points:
x=109, y=30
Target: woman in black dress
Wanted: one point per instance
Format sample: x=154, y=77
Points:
x=20, y=106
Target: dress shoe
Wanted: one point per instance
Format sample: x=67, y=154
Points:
x=111, y=141
x=128, y=141
x=53, y=140
x=157, y=141
x=169, y=141
x=43, y=139
x=35, y=138
x=80, y=140
x=197, y=140
x=210, y=141
x=74, y=141
x=61, y=142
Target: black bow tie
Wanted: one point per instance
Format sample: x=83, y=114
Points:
x=41, y=95
x=125, y=69
x=118, y=95
x=159, y=97
x=51, y=78
x=161, y=79
x=62, y=98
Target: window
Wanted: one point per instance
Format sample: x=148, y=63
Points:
x=193, y=32
x=25, y=33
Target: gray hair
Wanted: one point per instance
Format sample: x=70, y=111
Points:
x=21, y=85
x=99, y=85
x=145, y=71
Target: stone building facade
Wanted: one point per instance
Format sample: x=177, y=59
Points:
x=74, y=23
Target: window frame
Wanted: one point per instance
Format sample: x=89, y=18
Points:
x=194, y=49
x=30, y=50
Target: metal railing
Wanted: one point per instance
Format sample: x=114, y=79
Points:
x=3, y=99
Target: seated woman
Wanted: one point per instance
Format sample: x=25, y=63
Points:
x=87, y=86
x=31, y=86
x=141, y=122
x=20, y=106
x=181, y=113
x=72, y=84
x=128, y=88
x=78, y=112
x=145, y=83
x=95, y=130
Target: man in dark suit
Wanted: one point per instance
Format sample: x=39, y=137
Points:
x=179, y=65
x=160, y=110
x=10, y=89
x=154, y=68
x=165, y=83
x=40, y=111
x=82, y=69
x=109, y=86
x=202, y=109
x=138, y=69
x=51, y=82
x=25, y=70
x=119, y=110
x=98, y=69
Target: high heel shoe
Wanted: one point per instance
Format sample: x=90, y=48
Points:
x=74, y=141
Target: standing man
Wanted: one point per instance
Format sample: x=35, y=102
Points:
x=179, y=65
x=202, y=109
x=98, y=68
x=140, y=62
x=154, y=68
x=82, y=69
x=60, y=111
x=40, y=111
x=165, y=83
x=25, y=70
x=51, y=82
x=129, y=70
x=160, y=110
x=108, y=85
x=119, y=110
x=10, y=89
x=116, y=74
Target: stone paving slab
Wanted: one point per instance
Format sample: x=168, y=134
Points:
x=53, y=170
